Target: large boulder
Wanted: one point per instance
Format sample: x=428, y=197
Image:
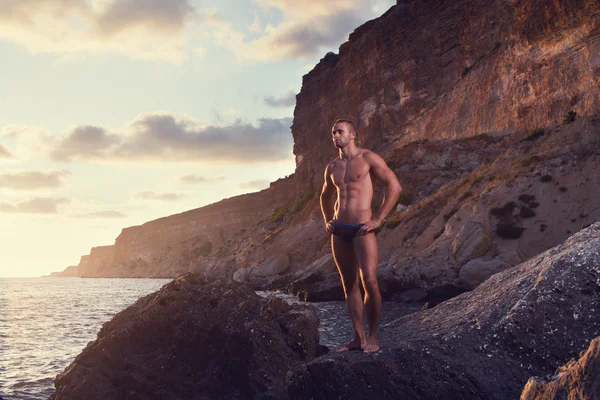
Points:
x=320, y=281
x=484, y=344
x=274, y=265
x=260, y=276
x=578, y=379
x=194, y=340
x=472, y=241
x=476, y=271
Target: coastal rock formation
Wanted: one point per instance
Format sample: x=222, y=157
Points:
x=194, y=340
x=451, y=69
x=320, y=281
x=72, y=271
x=484, y=344
x=486, y=111
x=578, y=379
x=173, y=245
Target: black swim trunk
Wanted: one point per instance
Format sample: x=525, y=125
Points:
x=346, y=231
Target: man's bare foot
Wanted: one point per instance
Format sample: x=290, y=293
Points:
x=353, y=345
x=371, y=346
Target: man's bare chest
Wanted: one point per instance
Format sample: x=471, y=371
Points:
x=350, y=172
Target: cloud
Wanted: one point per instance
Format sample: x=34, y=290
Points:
x=102, y=214
x=257, y=184
x=32, y=180
x=162, y=137
x=306, y=29
x=158, y=196
x=163, y=16
x=285, y=100
x=4, y=153
x=148, y=29
x=37, y=205
x=85, y=142
x=193, y=179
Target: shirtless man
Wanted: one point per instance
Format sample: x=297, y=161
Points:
x=350, y=221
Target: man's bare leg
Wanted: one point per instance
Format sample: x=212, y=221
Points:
x=367, y=255
x=345, y=259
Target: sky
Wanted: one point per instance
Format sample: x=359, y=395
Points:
x=117, y=112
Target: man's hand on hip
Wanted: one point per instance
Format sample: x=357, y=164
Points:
x=368, y=227
x=329, y=226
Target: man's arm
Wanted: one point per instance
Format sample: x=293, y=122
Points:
x=326, y=199
x=382, y=173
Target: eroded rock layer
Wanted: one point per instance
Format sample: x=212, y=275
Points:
x=578, y=379
x=446, y=69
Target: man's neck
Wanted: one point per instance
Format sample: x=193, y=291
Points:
x=349, y=151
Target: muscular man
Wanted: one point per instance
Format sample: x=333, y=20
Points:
x=351, y=177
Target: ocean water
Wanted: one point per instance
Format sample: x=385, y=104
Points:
x=46, y=322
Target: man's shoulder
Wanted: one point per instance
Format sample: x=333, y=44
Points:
x=370, y=156
x=331, y=164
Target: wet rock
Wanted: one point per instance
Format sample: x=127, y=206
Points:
x=192, y=339
x=484, y=344
x=578, y=379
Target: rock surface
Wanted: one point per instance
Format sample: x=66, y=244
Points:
x=194, y=340
x=578, y=379
x=477, y=271
x=451, y=69
x=174, y=245
x=320, y=281
x=484, y=344
x=450, y=94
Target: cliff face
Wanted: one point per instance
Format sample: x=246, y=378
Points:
x=173, y=245
x=434, y=69
x=445, y=90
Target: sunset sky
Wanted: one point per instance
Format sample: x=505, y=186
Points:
x=117, y=112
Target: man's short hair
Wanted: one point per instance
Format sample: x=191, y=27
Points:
x=348, y=121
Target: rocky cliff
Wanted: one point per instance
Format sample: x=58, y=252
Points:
x=176, y=244
x=486, y=111
x=484, y=344
x=447, y=69
x=196, y=339
x=578, y=379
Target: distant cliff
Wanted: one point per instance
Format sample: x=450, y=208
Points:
x=173, y=245
x=471, y=104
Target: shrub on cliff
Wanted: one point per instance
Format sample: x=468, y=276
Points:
x=279, y=213
x=304, y=200
x=569, y=117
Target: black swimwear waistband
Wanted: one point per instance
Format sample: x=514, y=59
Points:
x=346, y=231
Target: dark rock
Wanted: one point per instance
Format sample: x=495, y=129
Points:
x=320, y=281
x=328, y=289
x=194, y=340
x=413, y=295
x=508, y=231
x=478, y=270
x=438, y=294
x=576, y=380
x=483, y=344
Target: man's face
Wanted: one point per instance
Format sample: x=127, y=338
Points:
x=341, y=135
